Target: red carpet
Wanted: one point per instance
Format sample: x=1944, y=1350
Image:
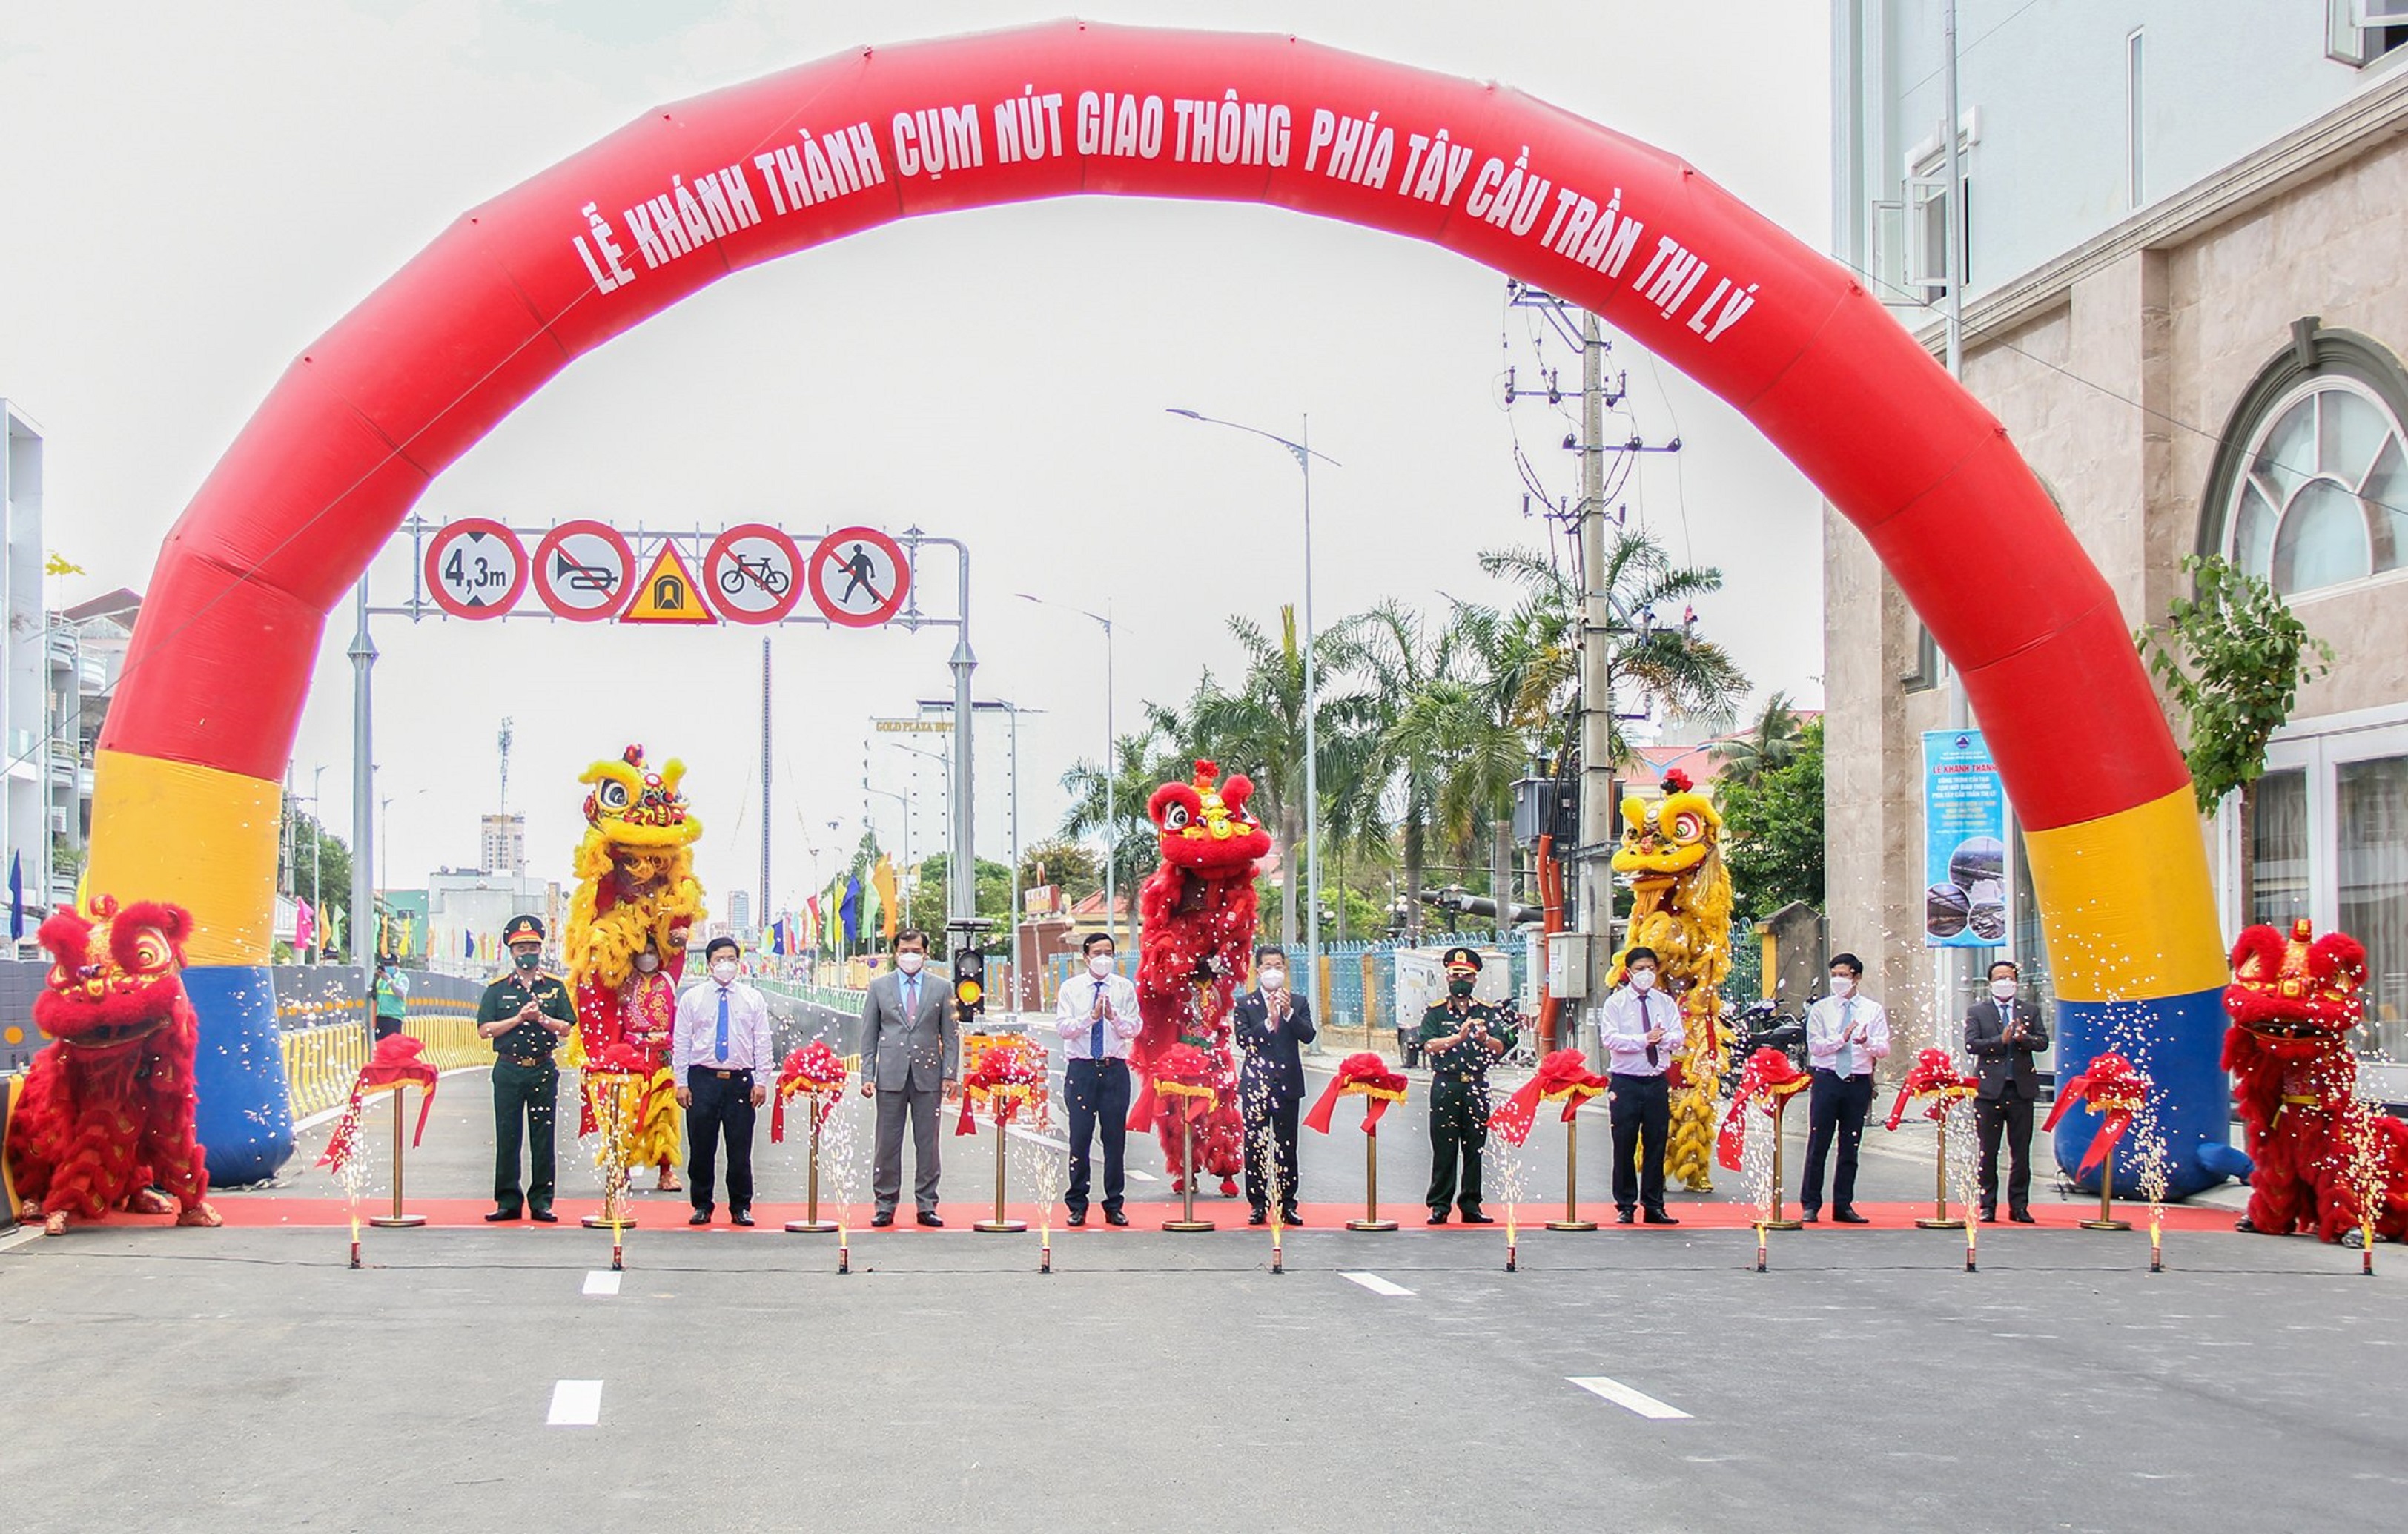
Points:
x=267, y=1210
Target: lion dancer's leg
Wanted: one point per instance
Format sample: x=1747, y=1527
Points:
x=1689, y=1150
x=37, y=1137
x=2280, y=1200
x=96, y=1170
x=177, y=1163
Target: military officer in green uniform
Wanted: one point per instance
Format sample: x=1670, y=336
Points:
x=525, y=1013
x=1460, y=1038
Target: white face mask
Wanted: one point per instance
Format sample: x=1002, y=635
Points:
x=1274, y=980
x=723, y=972
x=2003, y=989
x=647, y=962
x=1843, y=986
x=1099, y=964
x=909, y=962
x=1642, y=979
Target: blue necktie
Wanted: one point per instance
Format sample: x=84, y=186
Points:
x=722, y=1024
x=1095, y=1034
x=1848, y=1051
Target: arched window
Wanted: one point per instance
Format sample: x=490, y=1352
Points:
x=2311, y=490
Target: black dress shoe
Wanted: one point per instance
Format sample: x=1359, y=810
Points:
x=1438, y=1217
x=1258, y=1216
x=1079, y=1219
x=1849, y=1217
x=1989, y=1214
x=699, y=1217
x=1810, y=1216
x=882, y=1219
x=543, y=1217
x=1290, y=1217
x=1476, y=1218
x=501, y=1215
x=2022, y=1216
x=1658, y=1217
x=931, y=1219
x=1626, y=1216
x=1114, y=1217
x=743, y=1216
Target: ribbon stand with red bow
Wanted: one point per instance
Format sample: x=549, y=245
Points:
x=395, y=1064
x=1005, y=1075
x=2112, y=1088
x=1767, y=1082
x=1365, y=1075
x=815, y=1074
x=1936, y=1085
x=621, y=1082
x=1563, y=1077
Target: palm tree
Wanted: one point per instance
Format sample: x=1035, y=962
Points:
x=1403, y=660
x=1772, y=744
x=1258, y=729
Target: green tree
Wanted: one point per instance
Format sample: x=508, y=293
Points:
x=1773, y=831
x=2232, y=657
x=1404, y=660
x=1773, y=742
x=1064, y=863
x=926, y=905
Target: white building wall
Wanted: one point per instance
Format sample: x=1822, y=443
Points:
x=23, y=656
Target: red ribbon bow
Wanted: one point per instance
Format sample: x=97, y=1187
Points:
x=395, y=1064
x=1562, y=1075
x=813, y=1069
x=2110, y=1087
x=1005, y=1075
x=1769, y=1079
x=1359, y=1075
x=1935, y=1076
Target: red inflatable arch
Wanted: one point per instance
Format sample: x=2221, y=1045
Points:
x=520, y=287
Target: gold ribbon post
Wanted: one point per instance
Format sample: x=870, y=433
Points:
x=397, y=1220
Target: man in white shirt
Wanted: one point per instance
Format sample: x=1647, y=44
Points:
x=1097, y=1019
x=1643, y=1035
x=1845, y=1033
x=721, y=1052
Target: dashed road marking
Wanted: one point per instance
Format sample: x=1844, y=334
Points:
x=1622, y=1395
x=603, y=1282
x=575, y=1403
x=1377, y=1284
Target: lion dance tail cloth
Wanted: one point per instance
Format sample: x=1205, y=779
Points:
x=635, y=893
x=106, y=1118
x=2324, y=1161
x=1681, y=908
x=1199, y=913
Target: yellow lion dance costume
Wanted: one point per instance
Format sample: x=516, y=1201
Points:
x=635, y=895
x=1682, y=909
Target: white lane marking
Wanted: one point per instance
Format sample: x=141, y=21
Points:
x=1622, y=1395
x=575, y=1403
x=1136, y=1176
x=1377, y=1284
x=603, y=1282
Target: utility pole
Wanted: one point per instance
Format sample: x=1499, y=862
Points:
x=502, y=743
x=1597, y=668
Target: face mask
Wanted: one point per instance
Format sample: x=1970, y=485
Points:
x=1843, y=986
x=909, y=962
x=2003, y=989
x=528, y=960
x=1099, y=966
x=1458, y=987
x=1274, y=980
x=1642, y=979
x=647, y=962
x=723, y=972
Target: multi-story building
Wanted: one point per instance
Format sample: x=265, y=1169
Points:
x=503, y=839
x=24, y=819
x=86, y=651
x=2184, y=297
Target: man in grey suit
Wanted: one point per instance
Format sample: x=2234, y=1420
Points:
x=2002, y=1034
x=909, y=1054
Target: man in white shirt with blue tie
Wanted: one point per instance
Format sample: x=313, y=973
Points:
x=1845, y=1033
x=721, y=1052
x=1097, y=1019
x=1642, y=1034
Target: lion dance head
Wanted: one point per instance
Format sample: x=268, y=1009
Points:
x=1207, y=829
x=2294, y=999
x=114, y=975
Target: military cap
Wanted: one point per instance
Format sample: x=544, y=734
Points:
x=521, y=927
x=1463, y=958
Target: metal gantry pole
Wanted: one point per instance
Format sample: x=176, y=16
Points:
x=1112, y=781
x=364, y=654
x=763, y=921
x=1311, y=755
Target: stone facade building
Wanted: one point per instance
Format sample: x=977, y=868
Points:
x=2186, y=300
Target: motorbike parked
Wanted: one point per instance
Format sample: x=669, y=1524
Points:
x=1762, y=1024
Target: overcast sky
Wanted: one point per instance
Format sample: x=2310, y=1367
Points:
x=198, y=191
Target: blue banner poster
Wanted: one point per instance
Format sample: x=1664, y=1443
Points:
x=1964, y=842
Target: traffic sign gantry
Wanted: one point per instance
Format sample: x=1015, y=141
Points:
x=476, y=567
x=859, y=576
x=584, y=571
x=753, y=574
x=667, y=593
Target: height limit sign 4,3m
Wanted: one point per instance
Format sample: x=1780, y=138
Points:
x=476, y=567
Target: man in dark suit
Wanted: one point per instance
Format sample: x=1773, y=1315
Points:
x=2002, y=1034
x=910, y=1052
x=1272, y=1024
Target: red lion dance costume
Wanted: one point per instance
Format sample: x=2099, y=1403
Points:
x=105, y=1120
x=2324, y=1160
x=1198, y=914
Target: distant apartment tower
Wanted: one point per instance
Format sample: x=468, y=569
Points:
x=504, y=844
x=26, y=820
x=739, y=910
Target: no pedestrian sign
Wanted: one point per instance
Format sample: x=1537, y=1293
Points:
x=476, y=567
x=859, y=576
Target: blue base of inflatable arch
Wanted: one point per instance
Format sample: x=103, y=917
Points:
x=2179, y=1044
x=245, y=1117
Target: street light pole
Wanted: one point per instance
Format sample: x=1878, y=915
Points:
x=1109, y=775
x=1302, y=452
